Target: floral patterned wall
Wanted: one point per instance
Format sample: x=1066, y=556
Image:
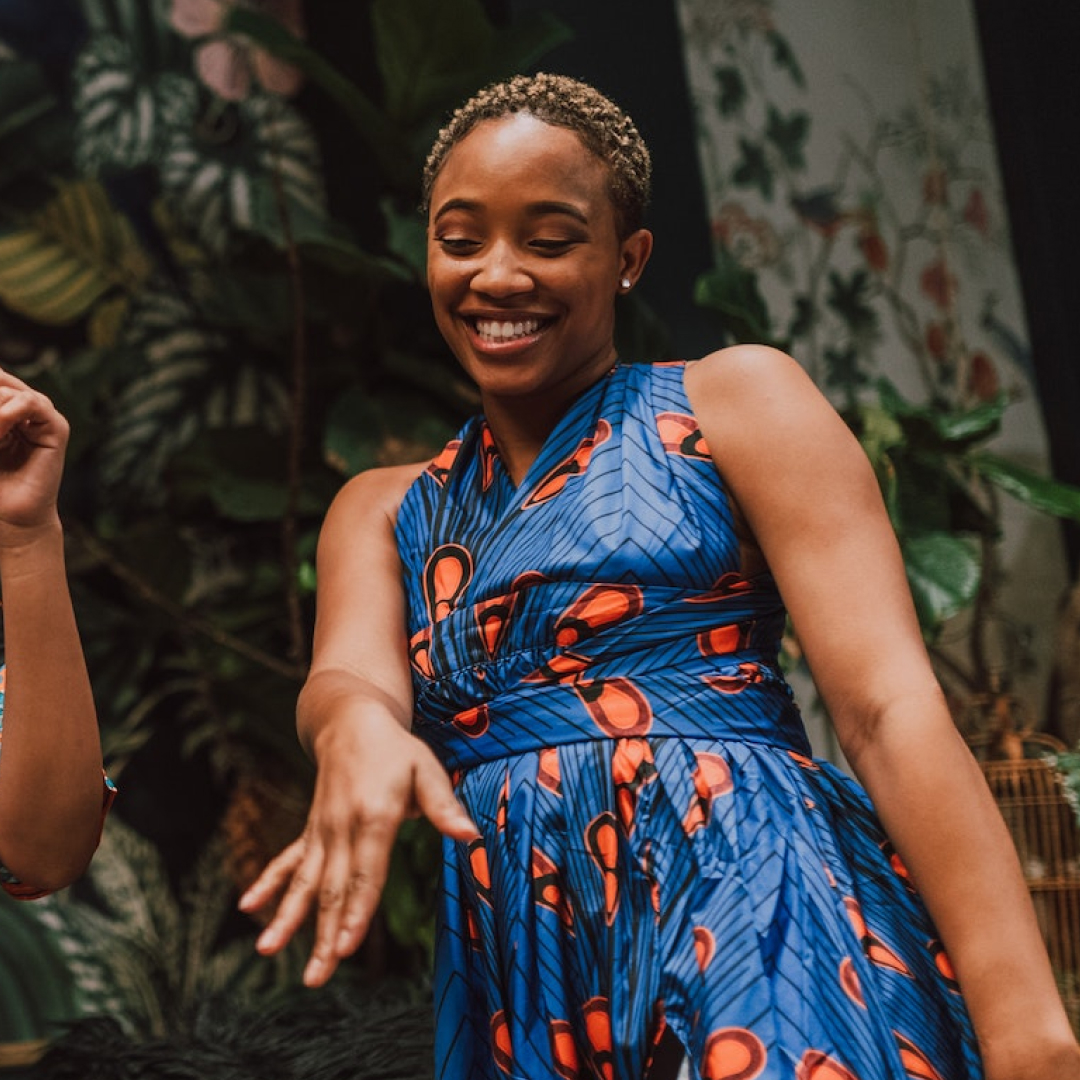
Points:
x=850, y=167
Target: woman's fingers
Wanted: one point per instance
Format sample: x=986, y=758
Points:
x=339, y=871
x=436, y=800
x=274, y=878
x=300, y=878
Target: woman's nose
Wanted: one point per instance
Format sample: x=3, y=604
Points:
x=502, y=272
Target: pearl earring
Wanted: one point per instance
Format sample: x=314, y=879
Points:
x=625, y=283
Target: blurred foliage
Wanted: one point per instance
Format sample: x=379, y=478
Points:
x=227, y=299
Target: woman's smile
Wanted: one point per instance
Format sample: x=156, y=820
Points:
x=525, y=262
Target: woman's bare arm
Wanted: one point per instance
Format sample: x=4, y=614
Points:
x=353, y=716
x=812, y=503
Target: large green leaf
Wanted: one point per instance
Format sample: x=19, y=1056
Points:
x=935, y=424
x=35, y=986
x=384, y=140
x=1042, y=492
x=732, y=290
x=422, y=48
x=57, y=266
x=944, y=573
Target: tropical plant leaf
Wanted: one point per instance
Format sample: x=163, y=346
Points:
x=125, y=113
x=732, y=290
x=217, y=188
x=35, y=988
x=422, y=46
x=77, y=248
x=1041, y=492
x=190, y=379
x=941, y=426
x=944, y=572
x=385, y=141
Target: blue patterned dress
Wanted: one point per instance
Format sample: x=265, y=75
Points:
x=659, y=849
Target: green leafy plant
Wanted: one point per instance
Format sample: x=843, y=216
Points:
x=228, y=301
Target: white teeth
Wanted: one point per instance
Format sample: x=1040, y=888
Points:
x=492, y=330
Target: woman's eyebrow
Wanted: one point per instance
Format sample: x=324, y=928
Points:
x=536, y=209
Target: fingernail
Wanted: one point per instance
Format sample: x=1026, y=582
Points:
x=268, y=939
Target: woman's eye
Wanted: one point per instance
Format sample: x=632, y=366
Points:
x=458, y=245
x=552, y=247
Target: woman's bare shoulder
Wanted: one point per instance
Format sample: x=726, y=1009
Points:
x=375, y=492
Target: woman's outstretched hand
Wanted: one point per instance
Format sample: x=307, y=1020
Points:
x=372, y=774
x=33, y=439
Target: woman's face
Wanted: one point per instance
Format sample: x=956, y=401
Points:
x=525, y=261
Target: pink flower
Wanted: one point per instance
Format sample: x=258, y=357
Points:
x=937, y=284
x=874, y=249
x=983, y=379
x=937, y=341
x=935, y=189
x=976, y=212
x=227, y=63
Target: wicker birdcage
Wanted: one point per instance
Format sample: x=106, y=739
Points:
x=1032, y=800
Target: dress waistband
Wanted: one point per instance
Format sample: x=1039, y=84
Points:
x=743, y=702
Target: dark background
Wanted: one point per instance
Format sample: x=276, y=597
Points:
x=1030, y=64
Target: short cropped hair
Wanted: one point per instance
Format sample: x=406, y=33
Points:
x=561, y=101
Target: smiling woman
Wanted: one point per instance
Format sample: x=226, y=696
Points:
x=558, y=640
x=525, y=258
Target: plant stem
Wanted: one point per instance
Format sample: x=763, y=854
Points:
x=297, y=407
x=155, y=598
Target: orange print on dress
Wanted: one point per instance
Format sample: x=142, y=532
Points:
x=733, y=1054
x=503, y=805
x=602, y=843
x=478, y=864
x=877, y=951
x=897, y=864
x=704, y=947
x=564, y=1052
x=493, y=618
x=473, y=930
x=548, y=890
x=420, y=652
x=632, y=767
x=597, y=1013
x=915, y=1062
x=803, y=761
x=501, y=1049
x=574, y=465
x=597, y=608
x=548, y=773
x=681, y=435
x=712, y=780
x=440, y=466
x=447, y=573
x=563, y=667
x=817, y=1065
x=943, y=964
x=849, y=982
x=617, y=707
x=473, y=722
x=488, y=453
x=723, y=640
x=749, y=674
x=726, y=585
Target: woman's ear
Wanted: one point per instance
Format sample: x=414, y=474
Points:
x=636, y=249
